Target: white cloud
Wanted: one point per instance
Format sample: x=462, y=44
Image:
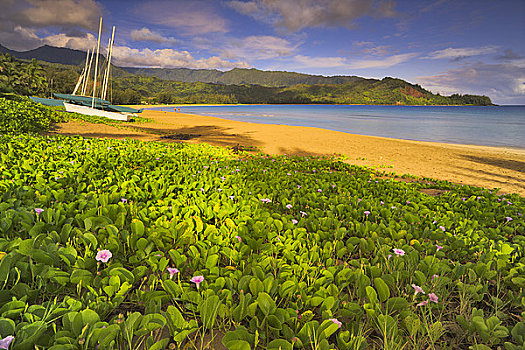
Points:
x=455, y=53
x=20, y=20
x=19, y=38
x=190, y=17
x=72, y=42
x=319, y=62
x=169, y=58
x=146, y=34
x=332, y=62
x=43, y=13
x=369, y=48
x=386, y=62
x=259, y=47
x=295, y=15
x=503, y=83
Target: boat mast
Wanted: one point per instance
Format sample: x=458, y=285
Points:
x=96, y=64
x=105, y=70
x=86, y=81
x=110, y=52
x=83, y=74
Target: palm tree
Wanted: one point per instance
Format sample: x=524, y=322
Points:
x=34, y=77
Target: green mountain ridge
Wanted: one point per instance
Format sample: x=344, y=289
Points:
x=251, y=86
x=49, y=53
x=239, y=76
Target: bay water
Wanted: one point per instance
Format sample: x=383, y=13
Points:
x=502, y=126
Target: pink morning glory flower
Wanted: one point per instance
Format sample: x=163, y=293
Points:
x=38, y=210
x=103, y=255
x=294, y=221
x=239, y=238
x=289, y=206
x=423, y=303
x=367, y=212
x=508, y=218
x=202, y=189
x=319, y=190
x=298, y=186
x=442, y=228
x=123, y=200
x=303, y=213
x=336, y=321
x=417, y=289
x=433, y=298
x=172, y=271
x=438, y=247
x=389, y=256
x=4, y=343
x=232, y=197
x=197, y=280
x=399, y=252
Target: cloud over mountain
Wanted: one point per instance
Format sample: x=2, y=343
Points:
x=464, y=52
x=146, y=34
x=295, y=15
x=503, y=82
x=169, y=58
x=189, y=17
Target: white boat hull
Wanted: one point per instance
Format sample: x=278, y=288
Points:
x=97, y=112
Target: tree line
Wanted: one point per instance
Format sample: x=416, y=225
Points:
x=43, y=79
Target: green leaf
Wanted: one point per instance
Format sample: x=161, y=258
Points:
x=274, y=322
x=208, y=310
x=266, y=303
x=382, y=289
x=396, y=304
x=212, y=261
x=137, y=227
x=7, y=327
x=287, y=288
x=81, y=276
x=89, y=317
x=371, y=294
x=160, y=344
x=238, y=345
x=279, y=344
x=479, y=347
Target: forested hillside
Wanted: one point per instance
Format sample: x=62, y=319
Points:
x=44, y=79
x=238, y=76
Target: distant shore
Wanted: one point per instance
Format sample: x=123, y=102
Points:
x=289, y=104
x=484, y=166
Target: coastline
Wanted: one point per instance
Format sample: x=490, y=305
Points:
x=295, y=104
x=483, y=166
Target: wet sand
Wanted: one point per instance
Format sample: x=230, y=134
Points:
x=491, y=167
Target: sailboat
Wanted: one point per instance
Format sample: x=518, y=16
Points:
x=93, y=105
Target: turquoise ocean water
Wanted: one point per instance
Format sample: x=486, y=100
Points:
x=502, y=126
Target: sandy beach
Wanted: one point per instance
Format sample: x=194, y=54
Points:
x=490, y=167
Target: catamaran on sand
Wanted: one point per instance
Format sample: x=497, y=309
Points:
x=92, y=105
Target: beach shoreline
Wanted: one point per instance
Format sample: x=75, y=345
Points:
x=483, y=166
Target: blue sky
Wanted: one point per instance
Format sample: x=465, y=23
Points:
x=447, y=46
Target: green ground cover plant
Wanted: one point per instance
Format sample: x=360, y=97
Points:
x=123, y=244
x=22, y=115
